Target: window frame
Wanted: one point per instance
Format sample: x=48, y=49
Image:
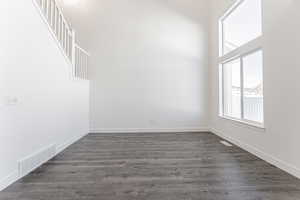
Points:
x=240, y=53
x=229, y=11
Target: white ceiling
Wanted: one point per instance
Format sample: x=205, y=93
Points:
x=87, y=14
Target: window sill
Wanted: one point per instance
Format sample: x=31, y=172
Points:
x=247, y=123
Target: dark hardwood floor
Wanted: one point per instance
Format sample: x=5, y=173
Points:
x=166, y=166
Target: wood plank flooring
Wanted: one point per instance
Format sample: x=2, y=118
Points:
x=145, y=166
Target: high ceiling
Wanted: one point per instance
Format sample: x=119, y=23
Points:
x=87, y=14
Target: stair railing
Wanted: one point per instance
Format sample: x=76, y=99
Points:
x=65, y=36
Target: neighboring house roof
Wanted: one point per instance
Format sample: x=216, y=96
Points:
x=257, y=90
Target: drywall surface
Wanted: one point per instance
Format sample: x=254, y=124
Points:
x=40, y=105
x=149, y=63
x=279, y=142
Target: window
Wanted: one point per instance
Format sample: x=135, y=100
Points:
x=232, y=89
x=241, y=63
x=242, y=25
x=253, y=87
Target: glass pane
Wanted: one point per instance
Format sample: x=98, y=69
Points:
x=242, y=25
x=253, y=87
x=232, y=89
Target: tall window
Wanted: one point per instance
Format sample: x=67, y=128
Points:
x=241, y=63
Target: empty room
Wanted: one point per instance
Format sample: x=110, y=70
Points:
x=149, y=100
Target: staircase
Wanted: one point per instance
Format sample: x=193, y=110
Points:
x=65, y=37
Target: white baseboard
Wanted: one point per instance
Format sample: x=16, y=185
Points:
x=63, y=146
x=150, y=130
x=31, y=162
x=291, y=169
x=8, y=180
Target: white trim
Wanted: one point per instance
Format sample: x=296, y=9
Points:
x=8, y=180
x=291, y=169
x=44, y=19
x=150, y=130
x=31, y=162
x=63, y=146
x=242, y=117
x=227, y=13
x=16, y=175
x=230, y=9
x=285, y=166
x=248, y=48
x=81, y=49
x=244, y=122
x=225, y=143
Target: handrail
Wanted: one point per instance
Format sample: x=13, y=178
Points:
x=65, y=36
x=81, y=49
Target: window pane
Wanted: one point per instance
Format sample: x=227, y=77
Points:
x=232, y=89
x=242, y=25
x=253, y=87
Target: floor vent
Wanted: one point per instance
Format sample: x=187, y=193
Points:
x=226, y=143
x=35, y=160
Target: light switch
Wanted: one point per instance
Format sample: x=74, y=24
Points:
x=10, y=101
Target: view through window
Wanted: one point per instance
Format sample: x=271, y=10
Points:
x=241, y=65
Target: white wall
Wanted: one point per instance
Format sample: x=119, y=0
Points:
x=48, y=107
x=279, y=142
x=149, y=63
x=149, y=71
